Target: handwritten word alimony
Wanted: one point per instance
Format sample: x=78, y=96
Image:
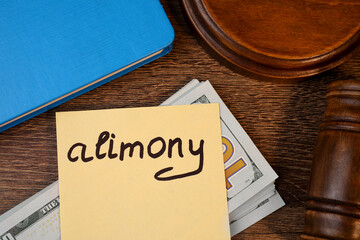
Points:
x=102, y=150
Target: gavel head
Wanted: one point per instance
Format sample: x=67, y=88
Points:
x=333, y=206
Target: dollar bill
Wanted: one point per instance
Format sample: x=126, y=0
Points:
x=250, y=205
x=251, y=189
x=37, y=218
x=261, y=210
x=247, y=172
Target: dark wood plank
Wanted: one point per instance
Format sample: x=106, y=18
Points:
x=283, y=120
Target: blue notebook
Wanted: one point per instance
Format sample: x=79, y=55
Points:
x=52, y=51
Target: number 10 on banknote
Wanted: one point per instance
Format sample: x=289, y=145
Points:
x=247, y=172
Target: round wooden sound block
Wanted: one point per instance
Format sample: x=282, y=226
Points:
x=279, y=39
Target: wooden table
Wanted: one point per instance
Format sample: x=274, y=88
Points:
x=282, y=119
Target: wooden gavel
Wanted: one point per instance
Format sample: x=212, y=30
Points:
x=333, y=206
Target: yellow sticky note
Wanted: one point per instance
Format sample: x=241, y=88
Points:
x=142, y=173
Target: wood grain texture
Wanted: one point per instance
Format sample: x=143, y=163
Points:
x=283, y=120
x=278, y=39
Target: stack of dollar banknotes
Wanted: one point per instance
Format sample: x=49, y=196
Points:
x=249, y=179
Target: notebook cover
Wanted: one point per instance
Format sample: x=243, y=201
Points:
x=52, y=51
